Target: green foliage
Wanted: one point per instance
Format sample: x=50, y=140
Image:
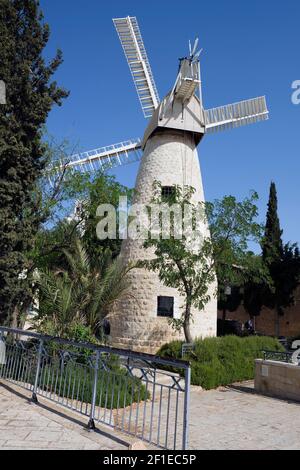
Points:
x=81, y=294
x=74, y=331
x=30, y=95
x=282, y=264
x=272, y=246
x=50, y=243
x=81, y=193
x=103, y=189
x=78, y=277
x=233, y=226
x=171, y=350
x=60, y=231
x=229, y=302
x=115, y=389
x=81, y=333
x=224, y=360
x=285, y=275
x=189, y=260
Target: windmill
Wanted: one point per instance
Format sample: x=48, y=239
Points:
x=168, y=152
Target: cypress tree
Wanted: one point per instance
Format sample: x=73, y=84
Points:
x=30, y=95
x=282, y=262
x=272, y=253
x=281, y=269
x=272, y=247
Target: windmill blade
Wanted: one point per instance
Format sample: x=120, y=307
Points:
x=236, y=114
x=135, y=53
x=196, y=56
x=195, y=47
x=103, y=158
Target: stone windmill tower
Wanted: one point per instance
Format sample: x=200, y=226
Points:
x=168, y=153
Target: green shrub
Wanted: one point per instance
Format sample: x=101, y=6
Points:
x=223, y=360
x=116, y=388
x=172, y=350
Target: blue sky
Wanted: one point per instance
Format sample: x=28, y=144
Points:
x=250, y=48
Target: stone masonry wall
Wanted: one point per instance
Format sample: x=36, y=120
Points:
x=289, y=323
x=171, y=158
x=277, y=379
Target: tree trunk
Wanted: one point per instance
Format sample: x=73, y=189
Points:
x=15, y=318
x=186, y=323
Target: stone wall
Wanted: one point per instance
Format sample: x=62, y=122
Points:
x=289, y=323
x=277, y=379
x=171, y=158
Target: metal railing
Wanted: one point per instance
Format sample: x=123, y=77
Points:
x=282, y=356
x=129, y=391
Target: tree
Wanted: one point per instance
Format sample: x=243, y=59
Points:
x=70, y=210
x=282, y=265
x=103, y=189
x=240, y=267
x=246, y=285
x=80, y=294
x=272, y=246
x=49, y=245
x=282, y=262
x=190, y=263
x=30, y=96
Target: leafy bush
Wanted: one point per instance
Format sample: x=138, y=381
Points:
x=223, y=360
x=171, y=350
x=115, y=388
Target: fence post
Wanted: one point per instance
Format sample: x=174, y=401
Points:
x=37, y=373
x=186, y=411
x=91, y=423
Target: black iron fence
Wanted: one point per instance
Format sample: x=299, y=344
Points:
x=282, y=356
x=129, y=391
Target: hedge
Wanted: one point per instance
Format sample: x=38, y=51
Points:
x=223, y=360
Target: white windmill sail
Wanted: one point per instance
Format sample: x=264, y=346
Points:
x=236, y=114
x=134, y=49
x=107, y=157
x=187, y=84
x=101, y=158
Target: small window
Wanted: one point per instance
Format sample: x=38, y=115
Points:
x=165, y=307
x=167, y=192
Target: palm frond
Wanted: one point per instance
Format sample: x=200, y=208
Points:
x=82, y=292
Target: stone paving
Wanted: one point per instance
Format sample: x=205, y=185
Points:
x=24, y=425
x=237, y=418
x=232, y=417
